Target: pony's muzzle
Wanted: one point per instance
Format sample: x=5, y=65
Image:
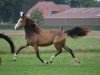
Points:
x=16, y=27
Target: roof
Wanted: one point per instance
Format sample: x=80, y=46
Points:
x=47, y=8
x=64, y=14
x=63, y=7
x=78, y=13
x=64, y=11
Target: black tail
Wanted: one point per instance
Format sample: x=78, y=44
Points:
x=9, y=41
x=77, y=32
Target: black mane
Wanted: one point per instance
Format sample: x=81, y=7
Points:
x=30, y=27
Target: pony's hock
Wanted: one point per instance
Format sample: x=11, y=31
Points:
x=36, y=36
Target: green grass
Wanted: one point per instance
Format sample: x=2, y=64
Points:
x=28, y=64
x=87, y=50
x=79, y=44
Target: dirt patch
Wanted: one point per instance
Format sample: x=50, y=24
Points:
x=94, y=35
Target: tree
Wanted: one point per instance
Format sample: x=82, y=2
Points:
x=78, y=3
x=84, y=3
x=37, y=15
x=9, y=9
x=91, y=3
x=74, y=3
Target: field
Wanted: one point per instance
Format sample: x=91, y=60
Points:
x=87, y=50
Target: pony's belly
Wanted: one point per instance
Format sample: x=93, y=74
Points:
x=46, y=44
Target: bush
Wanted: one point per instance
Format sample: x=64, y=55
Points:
x=38, y=15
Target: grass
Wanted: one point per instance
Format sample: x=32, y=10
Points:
x=28, y=64
x=87, y=50
x=79, y=44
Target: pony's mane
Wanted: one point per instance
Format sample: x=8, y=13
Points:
x=31, y=27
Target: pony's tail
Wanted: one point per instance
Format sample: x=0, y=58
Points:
x=12, y=46
x=77, y=32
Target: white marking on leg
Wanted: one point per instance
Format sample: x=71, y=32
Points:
x=52, y=58
x=15, y=56
x=46, y=62
x=76, y=61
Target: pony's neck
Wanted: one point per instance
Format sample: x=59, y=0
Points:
x=30, y=30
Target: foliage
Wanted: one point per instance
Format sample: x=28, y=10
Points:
x=9, y=9
x=91, y=3
x=84, y=3
x=38, y=16
x=74, y=3
x=78, y=3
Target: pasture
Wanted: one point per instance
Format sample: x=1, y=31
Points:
x=87, y=50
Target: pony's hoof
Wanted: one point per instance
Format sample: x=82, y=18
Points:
x=14, y=59
x=46, y=62
x=51, y=62
x=76, y=62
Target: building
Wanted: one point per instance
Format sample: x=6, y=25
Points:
x=58, y=15
x=48, y=8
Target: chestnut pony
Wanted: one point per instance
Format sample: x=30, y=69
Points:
x=36, y=36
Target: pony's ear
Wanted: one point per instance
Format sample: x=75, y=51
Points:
x=22, y=14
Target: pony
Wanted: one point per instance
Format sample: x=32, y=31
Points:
x=9, y=41
x=36, y=36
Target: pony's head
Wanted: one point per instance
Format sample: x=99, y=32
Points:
x=24, y=21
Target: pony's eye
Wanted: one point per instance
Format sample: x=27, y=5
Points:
x=21, y=21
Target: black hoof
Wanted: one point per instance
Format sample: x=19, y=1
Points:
x=51, y=62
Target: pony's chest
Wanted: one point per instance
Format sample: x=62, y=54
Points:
x=32, y=39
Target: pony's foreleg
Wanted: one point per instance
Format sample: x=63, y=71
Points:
x=76, y=61
x=24, y=46
x=38, y=55
x=59, y=49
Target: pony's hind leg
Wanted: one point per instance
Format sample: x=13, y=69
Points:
x=24, y=46
x=59, y=49
x=76, y=61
